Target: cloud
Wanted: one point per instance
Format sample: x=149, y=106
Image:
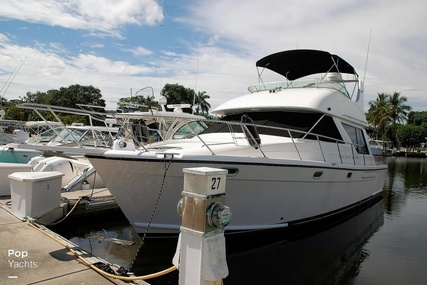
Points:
x=103, y=17
x=44, y=69
x=397, y=59
x=216, y=51
x=138, y=51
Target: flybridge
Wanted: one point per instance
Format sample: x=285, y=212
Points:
x=295, y=64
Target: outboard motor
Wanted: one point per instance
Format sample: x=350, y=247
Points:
x=20, y=137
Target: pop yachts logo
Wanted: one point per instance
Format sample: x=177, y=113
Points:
x=18, y=259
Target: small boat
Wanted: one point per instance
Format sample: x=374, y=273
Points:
x=14, y=133
x=296, y=152
x=379, y=148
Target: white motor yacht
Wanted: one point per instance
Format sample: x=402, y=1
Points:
x=296, y=152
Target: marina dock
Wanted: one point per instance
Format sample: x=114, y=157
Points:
x=30, y=256
x=33, y=254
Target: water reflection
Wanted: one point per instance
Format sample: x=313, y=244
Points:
x=397, y=250
x=407, y=177
x=323, y=258
x=320, y=258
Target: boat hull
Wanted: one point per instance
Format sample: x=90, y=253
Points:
x=261, y=195
x=12, y=155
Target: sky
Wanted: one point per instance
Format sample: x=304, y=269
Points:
x=124, y=47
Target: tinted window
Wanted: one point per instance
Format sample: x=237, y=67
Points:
x=357, y=138
x=301, y=122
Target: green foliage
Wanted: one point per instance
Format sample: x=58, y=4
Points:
x=411, y=136
x=15, y=113
x=137, y=103
x=65, y=97
x=388, y=111
x=418, y=119
x=178, y=94
x=202, y=106
x=77, y=94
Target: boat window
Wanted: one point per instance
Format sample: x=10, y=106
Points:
x=357, y=138
x=70, y=135
x=299, y=123
x=189, y=130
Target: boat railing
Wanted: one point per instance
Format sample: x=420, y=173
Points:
x=113, y=121
x=345, y=152
x=71, y=137
x=329, y=149
x=273, y=87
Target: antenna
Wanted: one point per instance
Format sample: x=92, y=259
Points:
x=367, y=54
x=195, y=87
x=10, y=79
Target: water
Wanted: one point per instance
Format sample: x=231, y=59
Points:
x=384, y=244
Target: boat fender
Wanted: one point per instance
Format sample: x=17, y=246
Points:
x=251, y=132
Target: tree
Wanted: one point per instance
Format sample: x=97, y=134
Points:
x=77, y=94
x=388, y=110
x=201, y=104
x=137, y=103
x=38, y=97
x=411, y=136
x=398, y=111
x=178, y=94
x=378, y=113
x=418, y=119
x=64, y=97
x=15, y=113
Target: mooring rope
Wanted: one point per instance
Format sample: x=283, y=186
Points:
x=100, y=271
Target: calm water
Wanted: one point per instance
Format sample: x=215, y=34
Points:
x=384, y=244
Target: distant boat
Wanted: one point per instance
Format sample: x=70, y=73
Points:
x=296, y=152
x=379, y=148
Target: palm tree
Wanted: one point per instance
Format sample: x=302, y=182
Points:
x=399, y=111
x=388, y=110
x=378, y=113
x=201, y=104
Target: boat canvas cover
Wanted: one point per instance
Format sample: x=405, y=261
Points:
x=294, y=64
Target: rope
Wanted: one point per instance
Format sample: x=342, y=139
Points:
x=167, y=165
x=77, y=254
x=61, y=220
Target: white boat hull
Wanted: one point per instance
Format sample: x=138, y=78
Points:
x=261, y=195
x=15, y=155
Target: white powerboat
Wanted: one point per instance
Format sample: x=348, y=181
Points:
x=296, y=152
x=380, y=148
x=61, y=147
x=14, y=133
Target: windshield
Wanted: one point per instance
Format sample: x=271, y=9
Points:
x=190, y=130
x=69, y=136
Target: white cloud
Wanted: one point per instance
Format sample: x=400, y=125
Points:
x=138, y=51
x=397, y=59
x=233, y=36
x=98, y=16
x=44, y=70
